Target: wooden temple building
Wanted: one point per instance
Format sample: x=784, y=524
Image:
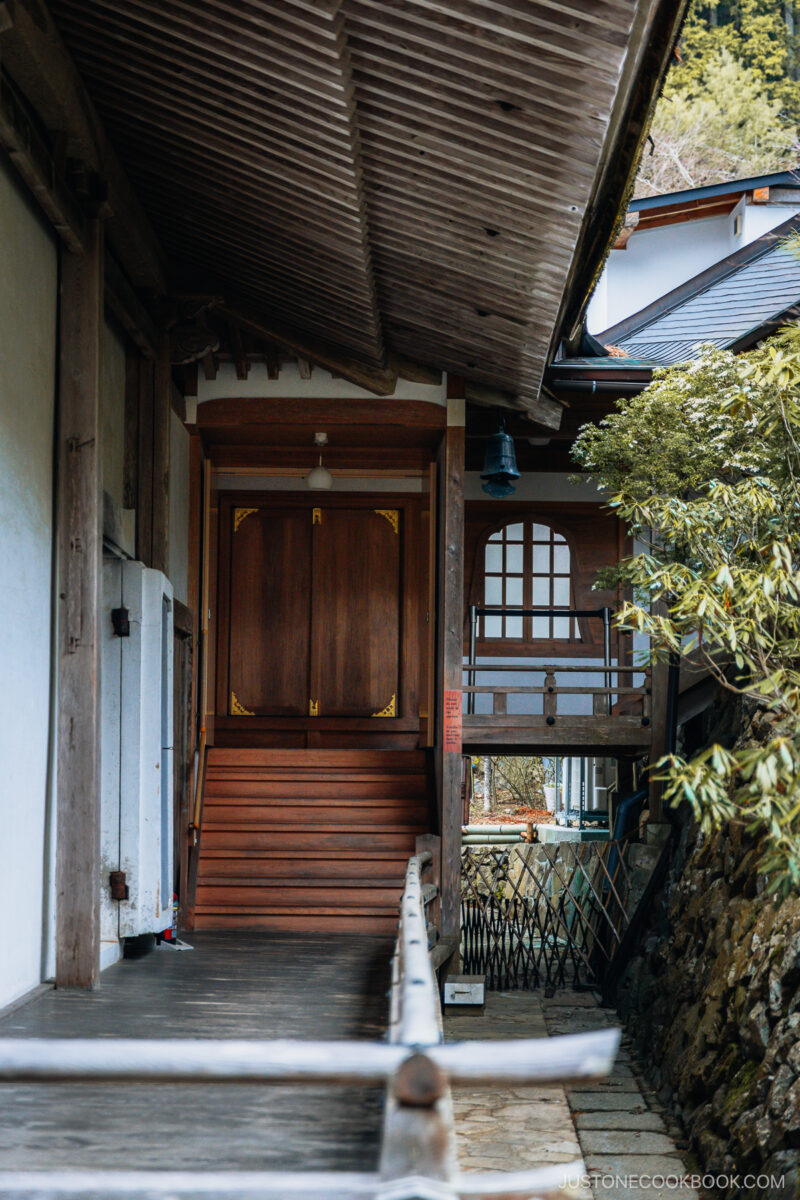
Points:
x=272, y=275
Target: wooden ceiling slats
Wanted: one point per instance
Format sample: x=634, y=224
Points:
x=269, y=56
x=502, y=47
x=594, y=18
x=321, y=177
x=105, y=42
x=388, y=157
x=231, y=118
x=410, y=173
x=487, y=56
x=393, y=107
x=541, y=94
x=438, y=141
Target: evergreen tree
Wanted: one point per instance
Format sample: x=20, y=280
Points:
x=731, y=101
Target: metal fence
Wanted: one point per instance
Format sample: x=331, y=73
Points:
x=418, y=1159
x=544, y=915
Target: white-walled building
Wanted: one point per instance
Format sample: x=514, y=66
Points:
x=670, y=239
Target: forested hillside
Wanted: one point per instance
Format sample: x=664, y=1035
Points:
x=731, y=102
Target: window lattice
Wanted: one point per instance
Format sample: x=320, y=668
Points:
x=527, y=565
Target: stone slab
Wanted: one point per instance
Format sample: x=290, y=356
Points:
x=617, y=1120
x=597, y=1101
x=624, y=1141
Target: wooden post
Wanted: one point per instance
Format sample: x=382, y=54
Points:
x=80, y=514
x=144, y=498
x=450, y=643
x=162, y=417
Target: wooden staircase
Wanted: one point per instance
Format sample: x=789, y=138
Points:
x=308, y=840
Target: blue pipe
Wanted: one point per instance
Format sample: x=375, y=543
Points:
x=624, y=819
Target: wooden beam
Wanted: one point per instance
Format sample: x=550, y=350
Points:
x=450, y=632
x=162, y=410
x=79, y=554
x=40, y=64
x=382, y=381
x=144, y=489
x=237, y=350
x=128, y=309
x=37, y=165
x=544, y=410
x=246, y=411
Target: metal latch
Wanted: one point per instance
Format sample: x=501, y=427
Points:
x=119, y=887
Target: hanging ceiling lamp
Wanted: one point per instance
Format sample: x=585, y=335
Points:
x=500, y=472
x=319, y=479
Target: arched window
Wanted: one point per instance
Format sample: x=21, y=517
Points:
x=527, y=565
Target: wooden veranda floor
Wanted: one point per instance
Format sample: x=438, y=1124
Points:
x=231, y=985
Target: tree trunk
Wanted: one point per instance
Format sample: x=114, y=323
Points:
x=487, y=784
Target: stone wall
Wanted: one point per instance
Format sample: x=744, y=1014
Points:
x=712, y=1002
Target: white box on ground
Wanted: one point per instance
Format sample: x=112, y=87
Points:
x=464, y=989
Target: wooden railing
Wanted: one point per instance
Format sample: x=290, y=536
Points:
x=602, y=695
x=418, y=1159
x=621, y=708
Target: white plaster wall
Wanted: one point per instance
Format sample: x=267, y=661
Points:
x=28, y=299
x=296, y=483
x=322, y=384
x=179, y=508
x=112, y=410
x=657, y=260
x=552, y=486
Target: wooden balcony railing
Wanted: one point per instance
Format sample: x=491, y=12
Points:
x=418, y=1159
x=621, y=708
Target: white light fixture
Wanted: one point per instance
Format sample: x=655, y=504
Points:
x=319, y=478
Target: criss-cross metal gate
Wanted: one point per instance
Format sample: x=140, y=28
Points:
x=544, y=915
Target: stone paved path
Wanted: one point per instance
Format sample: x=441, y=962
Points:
x=614, y=1125
x=510, y=1129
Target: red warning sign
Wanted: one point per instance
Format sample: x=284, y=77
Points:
x=452, y=722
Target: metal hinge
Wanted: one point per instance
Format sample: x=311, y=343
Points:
x=313, y=708
x=118, y=885
x=316, y=516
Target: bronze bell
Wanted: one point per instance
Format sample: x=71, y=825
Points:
x=500, y=464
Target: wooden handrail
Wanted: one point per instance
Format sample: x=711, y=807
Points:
x=418, y=1152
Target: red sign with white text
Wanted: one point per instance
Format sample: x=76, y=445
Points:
x=452, y=722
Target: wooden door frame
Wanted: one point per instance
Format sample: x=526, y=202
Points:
x=412, y=571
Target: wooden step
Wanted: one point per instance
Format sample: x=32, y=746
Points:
x=366, y=922
x=390, y=760
x=313, y=840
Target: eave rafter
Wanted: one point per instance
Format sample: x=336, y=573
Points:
x=361, y=182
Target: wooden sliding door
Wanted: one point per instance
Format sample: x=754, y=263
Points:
x=269, y=612
x=320, y=609
x=355, y=628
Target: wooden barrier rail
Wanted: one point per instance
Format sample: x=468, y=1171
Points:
x=418, y=1158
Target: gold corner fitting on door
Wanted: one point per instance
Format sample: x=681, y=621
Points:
x=239, y=515
x=390, y=710
x=393, y=517
x=313, y=708
x=237, y=708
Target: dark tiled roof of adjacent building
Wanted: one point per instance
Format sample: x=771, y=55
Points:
x=732, y=304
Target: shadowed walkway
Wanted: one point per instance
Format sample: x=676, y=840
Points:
x=233, y=985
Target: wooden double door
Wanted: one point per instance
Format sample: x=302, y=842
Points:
x=319, y=613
